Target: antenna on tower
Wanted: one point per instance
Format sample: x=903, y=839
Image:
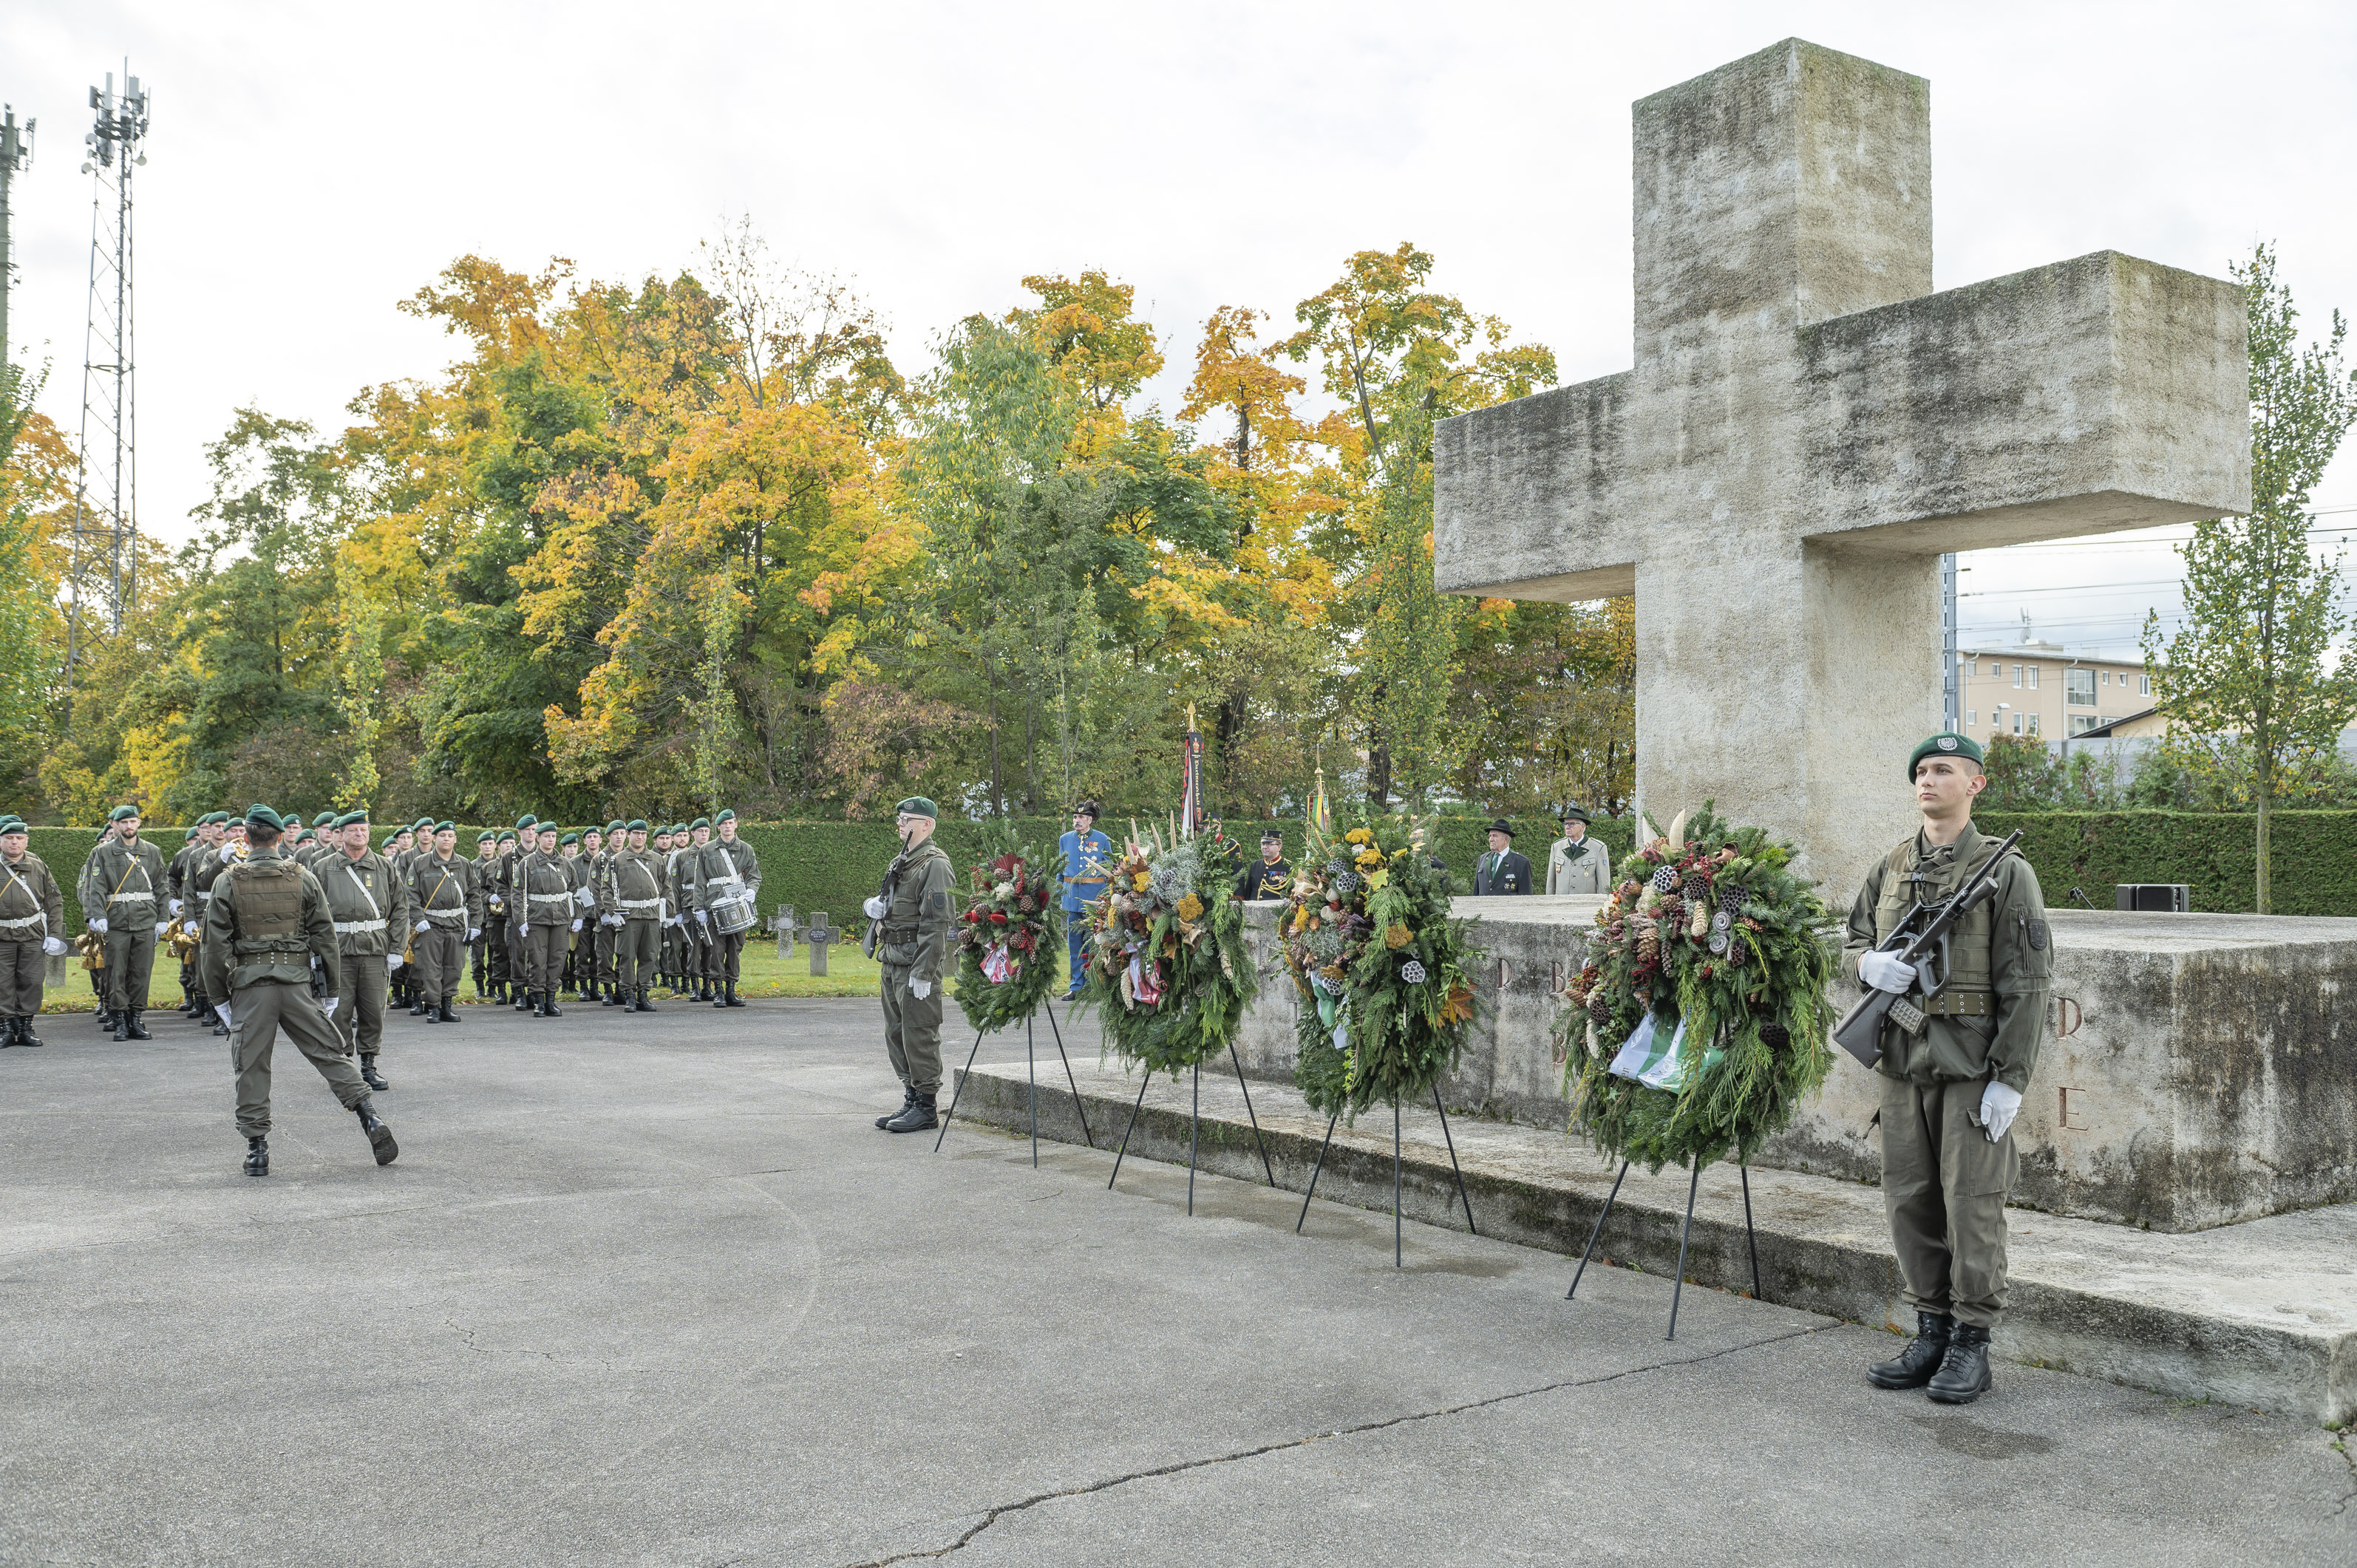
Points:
x=16, y=153
x=105, y=578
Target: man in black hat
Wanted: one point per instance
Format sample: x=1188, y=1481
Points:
x=1576, y=863
x=1502, y=871
x=1272, y=877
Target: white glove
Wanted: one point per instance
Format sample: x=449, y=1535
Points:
x=1884, y=972
x=392, y=962
x=192, y=928
x=226, y=1022
x=424, y=924
x=1998, y=1104
x=99, y=926
x=919, y=988
x=475, y=935
x=700, y=919
x=577, y=925
x=174, y=908
x=162, y=927
x=228, y=854
x=583, y=896
x=54, y=946
x=329, y=1005
x=616, y=921
x=875, y=907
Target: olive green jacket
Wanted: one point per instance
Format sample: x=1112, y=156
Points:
x=124, y=884
x=920, y=915
x=218, y=961
x=31, y=907
x=367, y=902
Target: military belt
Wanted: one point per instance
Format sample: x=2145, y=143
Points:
x=638, y=903
x=549, y=897
x=29, y=921
x=1956, y=1005
x=353, y=928
x=459, y=916
x=146, y=898
x=902, y=933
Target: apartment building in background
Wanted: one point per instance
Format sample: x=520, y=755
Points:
x=2037, y=689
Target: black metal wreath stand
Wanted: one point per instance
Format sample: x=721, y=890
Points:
x=1750, y=1236
x=1195, y=1127
x=1453, y=1165
x=1031, y=1065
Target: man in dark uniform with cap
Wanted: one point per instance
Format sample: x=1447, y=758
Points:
x=1271, y=877
x=914, y=916
x=1952, y=1085
x=1502, y=871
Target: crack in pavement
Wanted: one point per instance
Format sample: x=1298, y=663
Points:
x=1182, y=1465
x=2340, y=1446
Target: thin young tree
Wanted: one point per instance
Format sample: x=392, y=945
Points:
x=2255, y=692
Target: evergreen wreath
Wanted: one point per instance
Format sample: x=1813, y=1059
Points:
x=1168, y=968
x=1007, y=941
x=1707, y=932
x=1382, y=972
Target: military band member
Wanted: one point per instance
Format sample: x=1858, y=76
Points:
x=1950, y=1089
x=520, y=991
x=123, y=899
x=630, y=905
x=1088, y=861
x=499, y=917
x=446, y=913
x=724, y=872
x=478, y=885
x=915, y=915
x=1271, y=877
x=568, y=854
x=368, y=909
x=545, y=889
x=1576, y=863
x=1502, y=871
x=228, y=852
x=97, y=977
x=32, y=920
x=266, y=928
x=684, y=846
x=594, y=951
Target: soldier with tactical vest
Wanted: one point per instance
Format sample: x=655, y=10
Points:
x=545, y=889
x=32, y=919
x=123, y=900
x=445, y=915
x=630, y=906
x=266, y=926
x=368, y=909
x=725, y=882
x=912, y=919
x=1952, y=1085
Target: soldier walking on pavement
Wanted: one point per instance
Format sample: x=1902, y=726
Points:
x=721, y=873
x=630, y=905
x=544, y=887
x=266, y=926
x=913, y=916
x=1952, y=1087
x=32, y=914
x=370, y=911
x=445, y=915
x=1088, y=857
x=123, y=900
x=1576, y=863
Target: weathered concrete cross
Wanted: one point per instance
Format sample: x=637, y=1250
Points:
x=783, y=923
x=819, y=933
x=1807, y=427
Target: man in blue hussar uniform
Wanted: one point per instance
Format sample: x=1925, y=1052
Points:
x=1087, y=862
x=1270, y=876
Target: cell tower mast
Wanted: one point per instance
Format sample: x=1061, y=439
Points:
x=106, y=492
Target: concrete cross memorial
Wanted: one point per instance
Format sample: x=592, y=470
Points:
x=783, y=923
x=819, y=934
x=1807, y=427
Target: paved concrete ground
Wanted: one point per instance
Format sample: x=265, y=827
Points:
x=653, y=1291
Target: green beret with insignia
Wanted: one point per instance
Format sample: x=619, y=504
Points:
x=347, y=820
x=727, y=815
x=1947, y=743
x=446, y=827
x=12, y=824
x=487, y=837
x=918, y=806
x=618, y=826
x=325, y=820
x=527, y=820
x=638, y=824
x=568, y=838
x=699, y=823
x=507, y=835
x=261, y=816
x=120, y=812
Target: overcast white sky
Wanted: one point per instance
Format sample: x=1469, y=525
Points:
x=310, y=165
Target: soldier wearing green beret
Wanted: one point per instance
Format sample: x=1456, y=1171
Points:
x=545, y=889
x=911, y=920
x=32, y=928
x=266, y=927
x=199, y=842
x=630, y=906
x=480, y=945
x=1952, y=1085
x=123, y=900
x=660, y=844
x=723, y=887
x=368, y=909
x=445, y=917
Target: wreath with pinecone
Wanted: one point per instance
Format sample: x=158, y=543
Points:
x=1699, y=1022
x=1008, y=941
x=1167, y=970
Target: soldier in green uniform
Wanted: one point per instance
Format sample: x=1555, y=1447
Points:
x=368, y=909
x=913, y=918
x=1951, y=1088
x=667, y=960
x=498, y=916
x=123, y=900
x=527, y=836
x=630, y=905
x=32, y=917
x=1576, y=863
x=265, y=927
x=722, y=871
x=445, y=915
x=544, y=888
x=228, y=852
x=479, y=885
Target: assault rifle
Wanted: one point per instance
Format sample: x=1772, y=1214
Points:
x=873, y=934
x=1920, y=940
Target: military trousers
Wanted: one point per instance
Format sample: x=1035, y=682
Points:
x=720, y=954
x=600, y=937
x=543, y=951
x=1944, y=1190
x=441, y=953
x=495, y=948
x=359, y=1016
x=637, y=946
x=130, y=965
x=259, y=1012
x=912, y=1032
x=23, y=967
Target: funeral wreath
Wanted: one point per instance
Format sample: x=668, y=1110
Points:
x=1698, y=1023
x=1167, y=965
x=1007, y=941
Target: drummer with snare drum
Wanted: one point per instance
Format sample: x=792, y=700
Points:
x=724, y=884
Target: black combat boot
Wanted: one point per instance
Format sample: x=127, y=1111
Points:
x=1964, y=1376
x=130, y=1027
x=105, y=1021
x=1915, y=1365
x=8, y=1031
x=527, y=1002
x=444, y=1014
x=604, y=997
x=549, y=1009
x=732, y=995
x=369, y=1075
x=917, y=1116
x=380, y=1136
x=257, y=1157
x=642, y=1005
x=907, y=1100
x=417, y=1008
x=25, y=1036
x=719, y=996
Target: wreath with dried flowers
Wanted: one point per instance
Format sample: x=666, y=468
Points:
x=1008, y=941
x=1167, y=970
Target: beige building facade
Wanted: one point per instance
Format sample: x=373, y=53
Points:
x=2037, y=689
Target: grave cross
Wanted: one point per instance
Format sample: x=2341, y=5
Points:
x=1808, y=427
x=819, y=934
x=783, y=923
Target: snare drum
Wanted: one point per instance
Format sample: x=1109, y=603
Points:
x=736, y=915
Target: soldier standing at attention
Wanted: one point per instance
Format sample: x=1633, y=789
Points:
x=1578, y=864
x=1272, y=877
x=597, y=941
x=724, y=871
x=446, y=914
x=97, y=977
x=630, y=901
x=122, y=901
x=1088, y=854
x=479, y=887
x=544, y=888
x=175, y=872
x=32, y=914
x=684, y=842
x=527, y=831
x=672, y=920
x=568, y=856
x=265, y=928
x=370, y=911
x=228, y=852
x=499, y=919
x=1502, y=871
x=1949, y=1090
x=914, y=916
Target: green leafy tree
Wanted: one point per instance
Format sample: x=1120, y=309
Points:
x=2252, y=677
